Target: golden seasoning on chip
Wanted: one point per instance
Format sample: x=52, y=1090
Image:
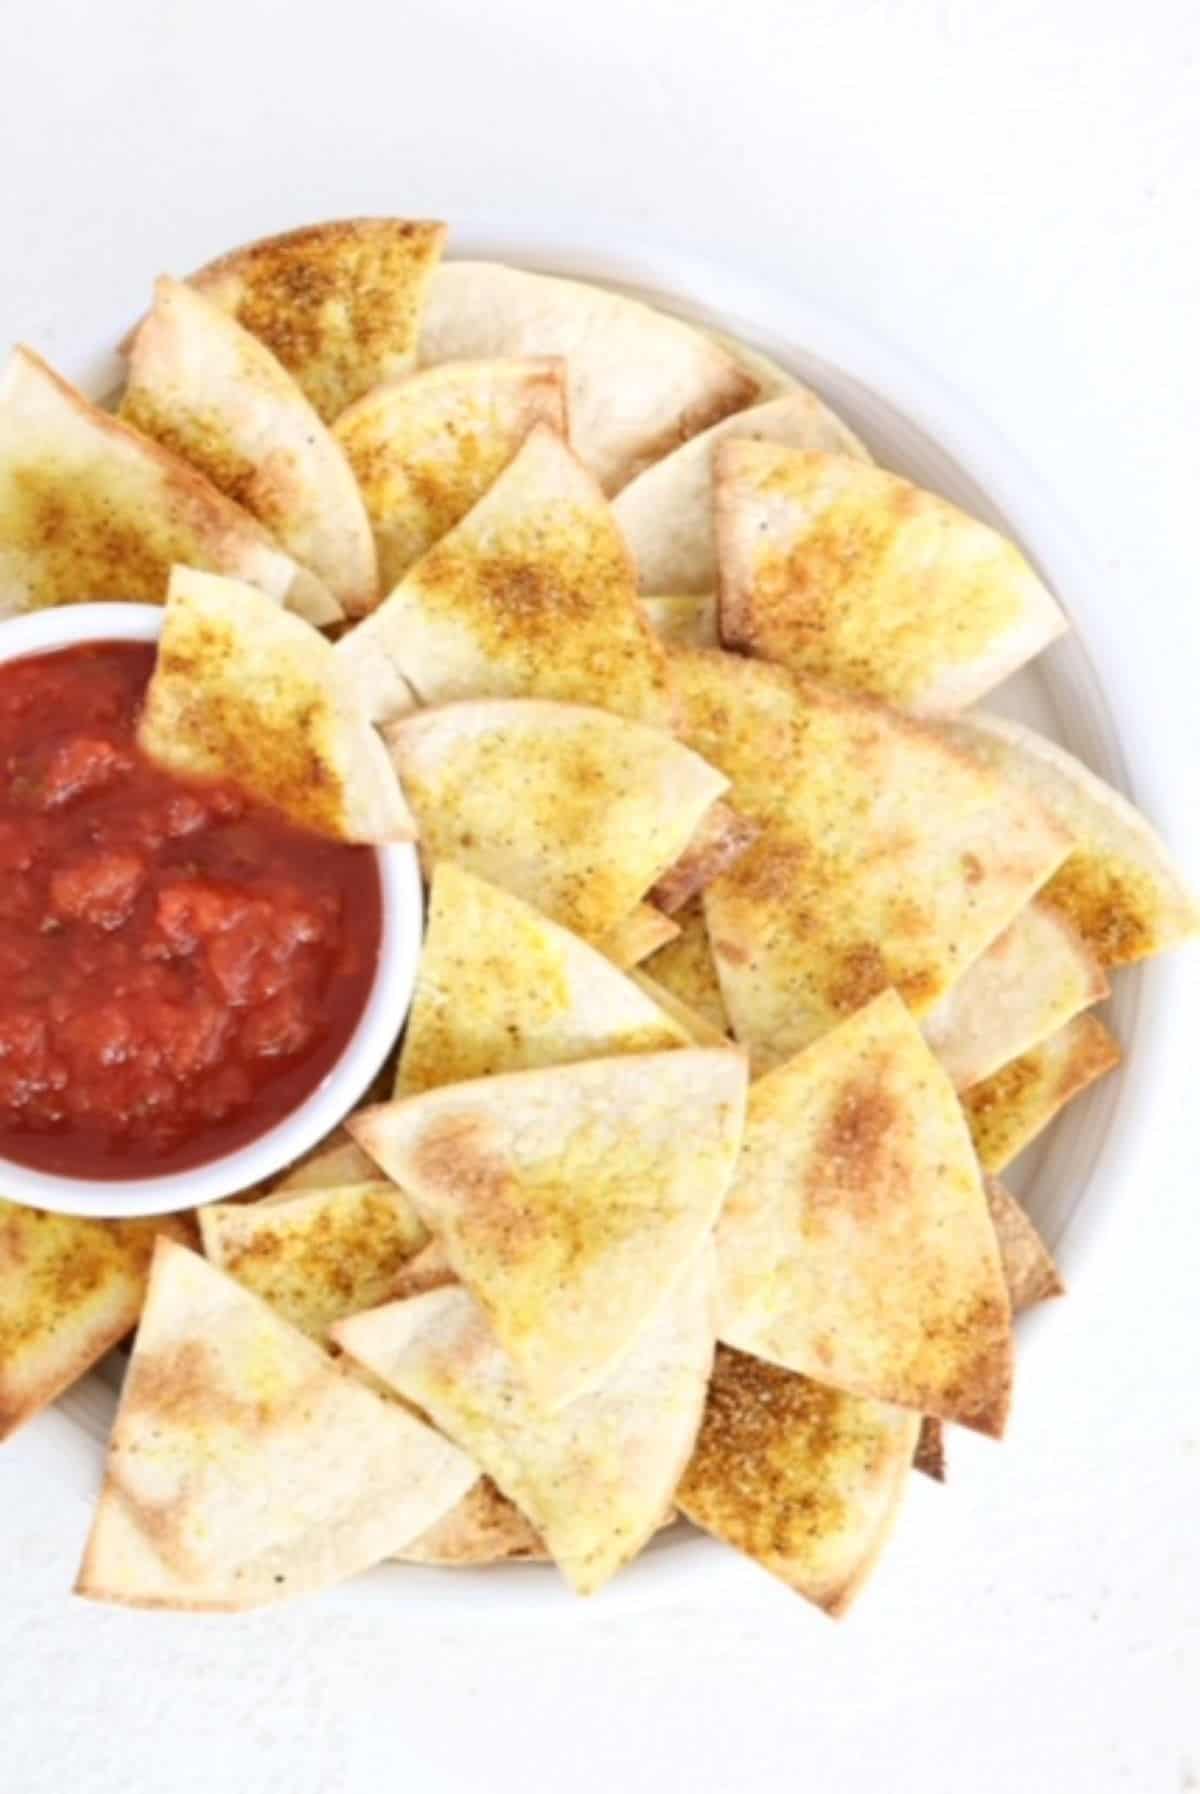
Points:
x=642, y=932
x=683, y=620
x=667, y=512
x=857, y=578
x=1029, y=1270
x=685, y=967
x=1009, y=1109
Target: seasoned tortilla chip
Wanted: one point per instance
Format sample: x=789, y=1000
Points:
x=208, y=390
x=667, y=512
x=685, y=967
x=595, y=1477
x=885, y=857
x=1029, y=1270
x=532, y=595
x=638, y=382
x=1118, y=887
x=643, y=931
x=1009, y=1109
x=339, y=304
x=503, y=988
x=484, y=1528
x=70, y=1288
x=682, y=620
x=425, y=449
x=930, y=1455
x=242, y=690
x=721, y=838
x=89, y=508
x=1031, y=980
x=804, y=1479
x=856, y=1244
x=569, y=1199
x=571, y=808
x=699, y=1030
x=855, y=577
x=244, y=1467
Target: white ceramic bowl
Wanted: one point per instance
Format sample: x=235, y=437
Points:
x=386, y=1006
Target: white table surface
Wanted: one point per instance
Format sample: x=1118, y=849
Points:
x=1011, y=191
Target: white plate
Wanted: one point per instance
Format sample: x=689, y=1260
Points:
x=1070, y=1178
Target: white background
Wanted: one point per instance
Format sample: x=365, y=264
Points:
x=1009, y=188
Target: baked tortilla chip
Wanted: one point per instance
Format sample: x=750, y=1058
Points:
x=886, y=856
x=70, y=1288
x=930, y=1455
x=532, y=595
x=638, y=382
x=336, y=1162
x=682, y=620
x=241, y=690
x=425, y=449
x=593, y=1478
x=855, y=577
x=699, y=1030
x=573, y=809
x=856, y=1244
x=667, y=512
x=484, y=1528
x=1029, y=1270
x=804, y=1479
x=1030, y=982
x=685, y=967
x=502, y=988
x=1009, y=1109
x=244, y=1467
x=213, y=394
x=89, y=508
x=643, y=931
x=722, y=837
x=569, y=1199
x=1118, y=887
x=339, y=304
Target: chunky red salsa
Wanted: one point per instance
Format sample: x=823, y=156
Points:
x=180, y=966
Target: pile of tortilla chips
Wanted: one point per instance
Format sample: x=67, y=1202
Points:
x=753, y=953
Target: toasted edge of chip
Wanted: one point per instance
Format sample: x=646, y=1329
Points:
x=721, y=839
x=1009, y=1109
x=1029, y=1270
x=642, y=932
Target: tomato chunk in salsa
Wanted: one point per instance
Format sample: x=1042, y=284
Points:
x=180, y=966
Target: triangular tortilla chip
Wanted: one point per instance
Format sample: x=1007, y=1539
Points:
x=339, y=304
x=425, y=449
x=638, y=382
x=886, y=856
x=930, y=1456
x=337, y=1161
x=484, y=1528
x=685, y=967
x=722, y=837
x=241, y=690
x=1029, y=983
x=319, y=1256
x=804, y=1479
x=771, y=378
x=1009, y=1109
x=643, y=931
x=682, y=620
x=854, y=576
x=594, y=1478
x=569, y=1199
x=244, y=1467
x=856, y=1244
x=1029, y=1270
x=208, y=390
x=501, y=987
x=92, y=509
x=667, y=512
x=532, y=595
x=699, y=1030
x=70, y=1288
x=571, y=808
x=1119, y=886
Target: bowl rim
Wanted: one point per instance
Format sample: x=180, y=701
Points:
x=44, y=631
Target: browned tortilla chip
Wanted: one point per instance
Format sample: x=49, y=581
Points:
x=484, y=1528
x=686, y=968
x=722, y=837
x=1030, y=1272
x=1009, y=1109
x=930, y=1455
x=643, y=931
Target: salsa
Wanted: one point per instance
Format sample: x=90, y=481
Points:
x=180, y=966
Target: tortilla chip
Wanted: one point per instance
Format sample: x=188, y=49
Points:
x=1119, y=886
x=722, y=837
x=569, y=1199
x=686, y=968
x=244, y=1467
x=804, y=1479
x=92, y=509
x=642, y=933
x=853, y=576
x=425, y=1270
x=532, y=595
x=771, y=378
x=856, y=1244
x=886, y=856
x=339, y=304
x=503, y=988
x=683, y=621
x=667, y=512
x=241, y=690
x=930, y=1455
x=484, y=1528
x=425, y=449
x=1009, y=1109
x=213, y=394
x=595, y=1477
x=1028, y=984
x=571, y=808
x=320, y=1255
x=70, y=1288
x=638, y=382
x=335, y=1162
x=1029, y=1270
x=699, y=1030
